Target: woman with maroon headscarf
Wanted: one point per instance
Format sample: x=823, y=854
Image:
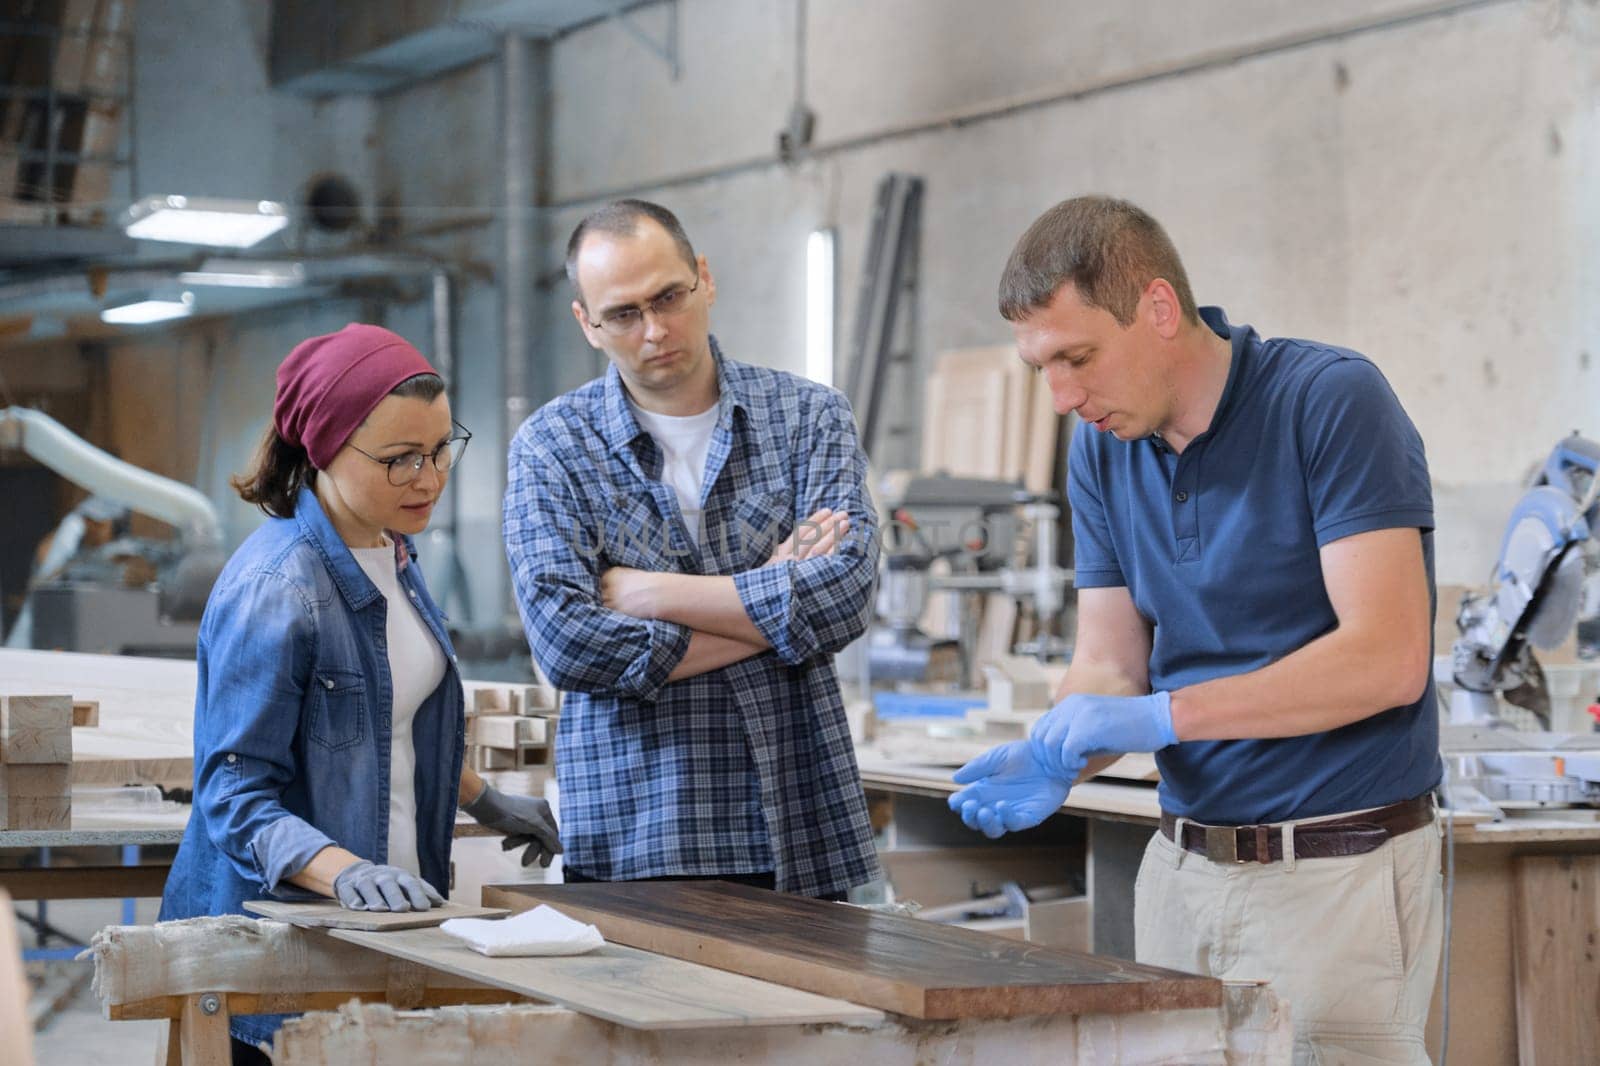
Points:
x=328, y=721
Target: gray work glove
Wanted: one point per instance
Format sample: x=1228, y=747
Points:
x=365, y=886
x=523, y=820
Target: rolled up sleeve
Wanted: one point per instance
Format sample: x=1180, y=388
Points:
x=553, y=549
x=258, y=643
x=817, y=606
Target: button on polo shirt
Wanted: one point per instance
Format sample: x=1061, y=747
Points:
x=1219, y=550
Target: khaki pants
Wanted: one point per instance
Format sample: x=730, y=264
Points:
x=1352, y=943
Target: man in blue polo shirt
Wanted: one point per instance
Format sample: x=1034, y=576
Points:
x=1254, y=557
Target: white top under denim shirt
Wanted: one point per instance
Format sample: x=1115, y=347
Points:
x=416, y=665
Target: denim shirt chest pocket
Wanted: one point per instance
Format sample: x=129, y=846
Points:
x=338, y=708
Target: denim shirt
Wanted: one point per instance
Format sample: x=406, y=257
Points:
x=292, y=724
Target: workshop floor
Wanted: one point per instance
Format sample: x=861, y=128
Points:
x=75, y=1033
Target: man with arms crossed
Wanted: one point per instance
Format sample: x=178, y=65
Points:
x=667, y=582
x=1254, y=558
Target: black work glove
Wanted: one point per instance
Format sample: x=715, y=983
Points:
x=523, y=820
x=366, y=886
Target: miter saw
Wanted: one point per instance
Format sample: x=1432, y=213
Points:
x=1546, y=582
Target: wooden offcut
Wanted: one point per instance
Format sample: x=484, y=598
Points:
x=881, y=960
x=35, y=729
x=1556, y=927
x=35, y=796
x=620, y=984
x=329, y=914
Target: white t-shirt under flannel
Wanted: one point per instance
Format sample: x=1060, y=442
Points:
x=684, y=442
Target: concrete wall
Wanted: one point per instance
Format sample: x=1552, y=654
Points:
x=1409, y=178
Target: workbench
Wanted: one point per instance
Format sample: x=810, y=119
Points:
x=1119, y=819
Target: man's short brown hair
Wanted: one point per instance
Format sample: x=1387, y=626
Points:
x=621, y=218
x=1109, y=249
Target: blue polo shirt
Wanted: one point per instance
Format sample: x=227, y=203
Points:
x=1218, y=548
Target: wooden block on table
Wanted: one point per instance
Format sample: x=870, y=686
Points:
x=35, y=729
x=507, y=731
x=490, y=701
x=540, y=700
x=1017, y=683
x=328, y=914
x=881, y=960
x=86, y=713
x=518, y=758
x=36, y=796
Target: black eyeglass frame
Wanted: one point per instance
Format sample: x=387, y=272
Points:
x=393, y=463
x=609, y=326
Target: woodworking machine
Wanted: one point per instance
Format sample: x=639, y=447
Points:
x=1546, y=583
x=133, y=595
x=980, y=529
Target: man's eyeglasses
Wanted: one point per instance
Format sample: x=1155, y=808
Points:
x=406, y=468
x=620, y=321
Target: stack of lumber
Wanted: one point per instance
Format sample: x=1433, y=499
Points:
x=66, y=100
x=510, y=727
x=35, y=762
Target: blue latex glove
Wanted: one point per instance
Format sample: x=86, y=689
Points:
x=1007, y=789
x=1082, y=726
x=366, y=886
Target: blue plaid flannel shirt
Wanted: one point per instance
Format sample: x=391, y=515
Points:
x=744, y=769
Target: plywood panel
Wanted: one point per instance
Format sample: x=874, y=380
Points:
x=621, y=984
x=887, y=961
x=976, y=419
x=328, y=914
x=1555, y=932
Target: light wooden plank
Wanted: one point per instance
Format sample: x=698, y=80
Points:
x=883, y=960
x=328, y=914
x=1556, y=927
x=620, y=984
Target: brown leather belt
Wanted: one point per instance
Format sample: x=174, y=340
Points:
x=1353, y=834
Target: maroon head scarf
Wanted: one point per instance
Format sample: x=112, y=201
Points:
x=330, y=384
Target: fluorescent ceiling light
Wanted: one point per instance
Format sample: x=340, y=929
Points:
x=819, y=306
x=143, y=312
x=246, y=274
x=198, y=220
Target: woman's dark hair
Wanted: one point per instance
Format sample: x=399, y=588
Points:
x=282, y=469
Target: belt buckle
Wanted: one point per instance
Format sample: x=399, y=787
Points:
x=1222, y=843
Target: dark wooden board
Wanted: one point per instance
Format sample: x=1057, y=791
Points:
x=911, y=967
